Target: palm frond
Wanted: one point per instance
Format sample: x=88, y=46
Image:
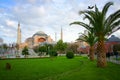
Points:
x=96, y=10
x=89, y=18
x=112, y=23
x=106, y=7
x=112, y=18
x=90, y=38
x=112, y=31
x=115, y=24
x=82, y=24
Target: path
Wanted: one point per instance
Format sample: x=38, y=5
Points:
x=112, y=59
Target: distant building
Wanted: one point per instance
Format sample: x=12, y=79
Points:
x=1, y=41
x=111, y=41
x=113, y=38
x=108, y=45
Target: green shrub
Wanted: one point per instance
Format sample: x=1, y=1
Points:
x=70, y=55
x=53, y=53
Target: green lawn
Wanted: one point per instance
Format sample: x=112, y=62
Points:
x=60, y=68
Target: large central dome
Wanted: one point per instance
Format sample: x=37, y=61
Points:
x=40, y=33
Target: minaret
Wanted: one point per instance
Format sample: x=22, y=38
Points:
x=18, y=34
x=61, y=34
x=55, y=36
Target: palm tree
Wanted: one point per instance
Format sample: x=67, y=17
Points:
x=103, y=26
x=91, y=39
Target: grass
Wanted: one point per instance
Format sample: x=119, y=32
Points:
x=60, y=68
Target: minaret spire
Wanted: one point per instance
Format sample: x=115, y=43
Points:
x=18, y=34
x=18, y=24
x=55, y=36
x=61, y=34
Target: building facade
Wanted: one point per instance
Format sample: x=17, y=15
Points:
x=39, y=38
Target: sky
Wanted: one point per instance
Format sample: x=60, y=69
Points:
x=47, y=16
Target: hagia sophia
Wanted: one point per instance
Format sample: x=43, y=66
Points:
x=39, y=38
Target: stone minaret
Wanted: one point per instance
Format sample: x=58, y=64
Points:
x=18, y=34
x=61, y=34
x=55, y=36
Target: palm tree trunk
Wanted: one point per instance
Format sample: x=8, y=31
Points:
x=101, y=55
x=91, y=53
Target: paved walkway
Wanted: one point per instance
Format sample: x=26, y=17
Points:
x=113, y=60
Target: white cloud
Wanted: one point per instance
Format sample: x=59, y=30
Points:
x=31, y=1
x=8, y=32
x=9, y=35
x=46, y=15
x=10, y=23
x=117, y=33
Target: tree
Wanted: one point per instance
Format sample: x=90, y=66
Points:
x=102, y=26
x=49, y=47
x=91, y=39
x=42, y=49
x=61, y=46
x=5, y=46
x=53, y=53
x=25, y=51
x=73, y=47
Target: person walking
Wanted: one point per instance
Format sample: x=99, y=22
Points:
x=116, y=54
x=108, y=54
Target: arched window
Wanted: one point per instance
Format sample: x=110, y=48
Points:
x=41, y=39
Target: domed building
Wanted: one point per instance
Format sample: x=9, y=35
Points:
x=113, y=38
x=111, y=41
x=38, y=39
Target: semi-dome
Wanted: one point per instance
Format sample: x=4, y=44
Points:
x=29, y=39
x=40, y=33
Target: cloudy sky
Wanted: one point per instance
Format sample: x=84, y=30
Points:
x=45, y=15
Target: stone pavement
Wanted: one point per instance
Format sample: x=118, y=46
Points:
x=113, y=60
